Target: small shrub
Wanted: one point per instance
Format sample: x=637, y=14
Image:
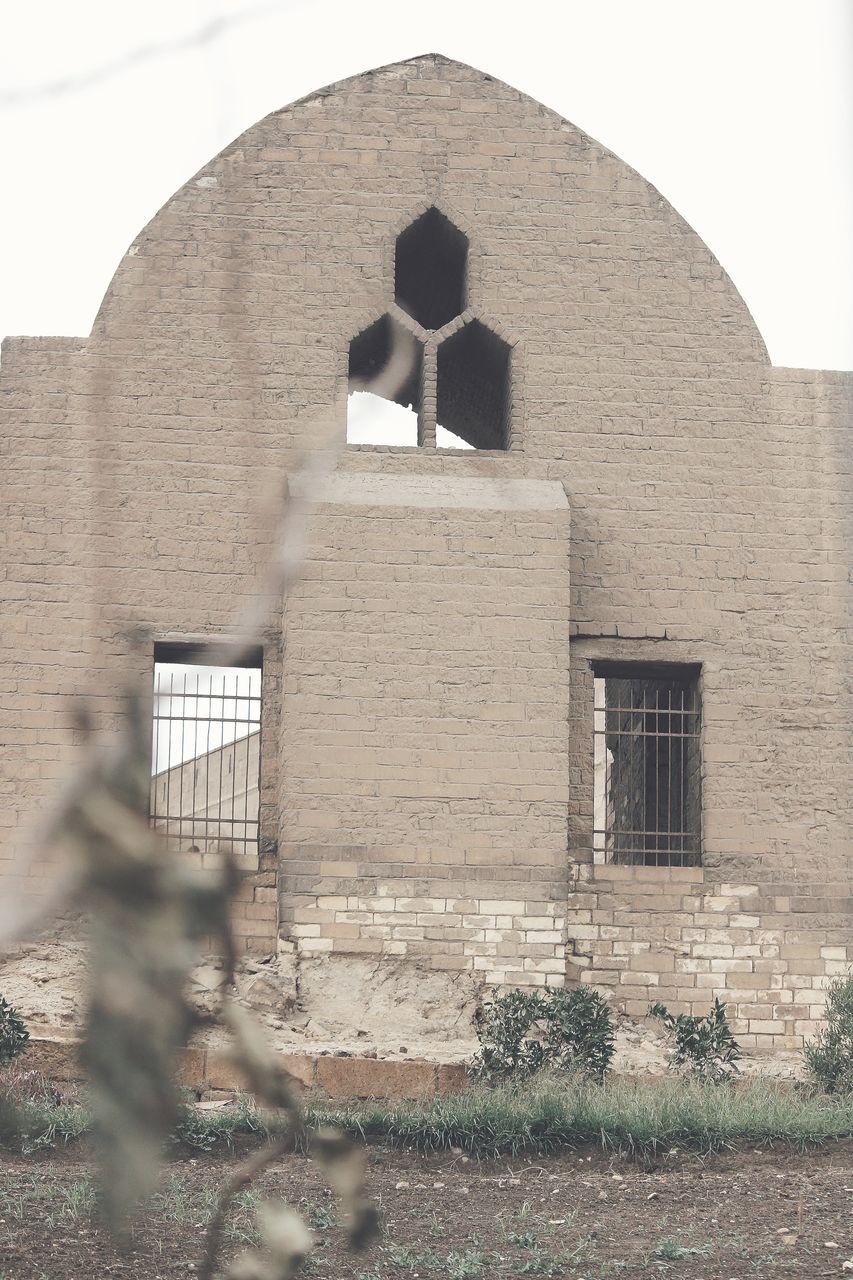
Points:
x=703, y=1047
x=829, y=1057
x=579, y=1031
x=13, y=1032
x=521, y=1032
x=502, y=1029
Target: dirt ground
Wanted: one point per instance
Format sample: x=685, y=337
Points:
x=730, y=1217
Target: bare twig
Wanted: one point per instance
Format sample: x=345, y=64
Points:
x=148, y=911
x=239, y=1180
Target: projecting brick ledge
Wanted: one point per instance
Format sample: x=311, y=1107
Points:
x=339, y=1076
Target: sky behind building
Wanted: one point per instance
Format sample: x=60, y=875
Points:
x=739, y=111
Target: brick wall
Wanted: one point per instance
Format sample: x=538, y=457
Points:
x=426, y=702
x=709, y=501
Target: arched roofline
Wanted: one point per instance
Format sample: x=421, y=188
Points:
x=340, y=86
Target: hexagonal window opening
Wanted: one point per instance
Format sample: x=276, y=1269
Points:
x=474, y=399
x=385, y=377
x=430, y=270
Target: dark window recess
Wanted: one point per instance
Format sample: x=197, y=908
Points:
x=647, y=802
x=474, y=387
x=370, y=356
x=429, y=270
x=205, y=756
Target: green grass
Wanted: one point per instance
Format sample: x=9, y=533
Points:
x=633, y=1118
x=59, y=1205
x=669, y=1250
x=55, y=1205
x=47, y=1125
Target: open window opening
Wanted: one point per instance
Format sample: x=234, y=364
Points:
x=388, y=359
x=647, y=766
x=473, y=400
x=429, y=270
x=445, y=439
x=205, y=751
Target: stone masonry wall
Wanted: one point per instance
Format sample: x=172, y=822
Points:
x=709, y=502
x=426, y=696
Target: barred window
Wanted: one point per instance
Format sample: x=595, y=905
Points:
x=205, y=755
x=647, y=765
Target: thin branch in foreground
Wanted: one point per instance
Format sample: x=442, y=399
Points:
x=239, y=1180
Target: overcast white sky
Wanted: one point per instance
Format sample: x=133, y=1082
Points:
x=740, y=112
x=200, y=708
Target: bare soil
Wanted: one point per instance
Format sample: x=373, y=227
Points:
x=729, y=1217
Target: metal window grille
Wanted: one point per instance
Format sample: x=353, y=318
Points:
x=205, y=768
x=647, y=769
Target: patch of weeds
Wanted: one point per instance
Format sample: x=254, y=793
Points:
x=403, y=1257
x=461, y=1266
x=78, y=1200
x=51, y=1203
x=175, y=1204
x=553, y=1264
x=436, y=1228
x=456, y=1265
x=210, y=1130
x=193, y=1131
x=40, y=1126
x=321, y=1217
x=180, y=1201
x=409, y=1259
x=523, y=1239
x=539, y=1264
x=20, y=1084
x=669, y=1250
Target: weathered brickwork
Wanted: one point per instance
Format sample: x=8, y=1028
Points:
x=426, y=690
x=668, y=495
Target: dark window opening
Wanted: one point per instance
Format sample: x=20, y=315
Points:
x=647, y=766
x=205, y=751
x=473, y=400
x=429, y=270
x=385, y=376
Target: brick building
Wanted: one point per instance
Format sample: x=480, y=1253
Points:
x=564, y=692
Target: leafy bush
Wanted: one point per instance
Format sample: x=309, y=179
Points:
x=13, y=1032
x=829, y=1057
x=579, y=1031
x=703, y=1047
x=521, y=1032
x=502, y=1028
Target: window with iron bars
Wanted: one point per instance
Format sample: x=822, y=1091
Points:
x=205, y=756
x=647, y=765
